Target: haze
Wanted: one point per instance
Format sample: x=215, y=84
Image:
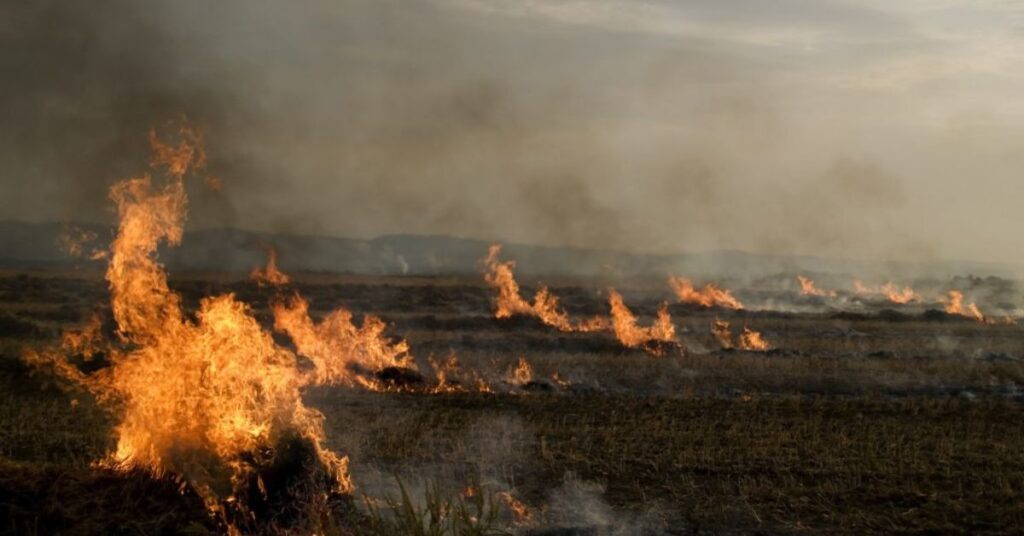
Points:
x=859, y=129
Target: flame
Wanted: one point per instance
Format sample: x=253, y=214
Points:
x=889, y=290
x=450, y=378
x=630, y=334
x=545, y=304
x=521, y=512
x=198, y=396
x=522, y=374
x=752, y=340
x=73, y=240
x=269, y=275
x=808, y=288
x=896, y=295
x=710, y=296
x=86, y=341
x=720, y=329
x=749, y=339
x=955, y=306
x=343, y=353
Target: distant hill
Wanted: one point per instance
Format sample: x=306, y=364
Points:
x=234, y=250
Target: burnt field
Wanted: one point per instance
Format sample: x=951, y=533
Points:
x=861, y=417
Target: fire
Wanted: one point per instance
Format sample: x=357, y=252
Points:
x=203, y=397
x=720, y=329
x=450, y=378
x=808, y=288
x=545, y=304
x=753, y=341
x=522, y=513
x=269, y=275
x=896, y=295
x=522, y=374
x=343, y=353
x=710, y=296
x=955, y=306
x=631, y=335
x=73, y=240
x=891, y=292
x=749, y=339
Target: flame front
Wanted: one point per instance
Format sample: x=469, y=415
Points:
x=709, y=296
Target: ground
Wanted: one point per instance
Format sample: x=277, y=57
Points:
x=885, y=419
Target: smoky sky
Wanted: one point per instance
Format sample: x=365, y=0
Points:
x=836, y=128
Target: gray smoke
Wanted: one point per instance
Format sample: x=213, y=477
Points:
x=841, y=128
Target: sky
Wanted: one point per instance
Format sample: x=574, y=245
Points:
x=863, y=129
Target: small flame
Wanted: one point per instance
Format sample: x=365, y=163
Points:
x=808, y=288
x=269, y=275
x=709, y=296
x=720, y=329
x=522, y=513
x=450, y=378
x=545, y=304
x=955, y=306
x=891, y=292
x=749, y=339
x=752, y=341
x=522, y=374
x=630, y=334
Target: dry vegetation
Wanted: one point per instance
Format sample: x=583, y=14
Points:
x=870, y=422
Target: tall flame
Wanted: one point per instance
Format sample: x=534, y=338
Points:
x=198, y=396
x=709, y=296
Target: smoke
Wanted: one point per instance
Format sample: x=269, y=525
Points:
x=638, y=126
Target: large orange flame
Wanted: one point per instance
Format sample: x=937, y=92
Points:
x=632, y=335
x=709, y=296
x=545, y=305
x=198, y=396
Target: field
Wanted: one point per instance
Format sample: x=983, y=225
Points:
x=874, y=418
